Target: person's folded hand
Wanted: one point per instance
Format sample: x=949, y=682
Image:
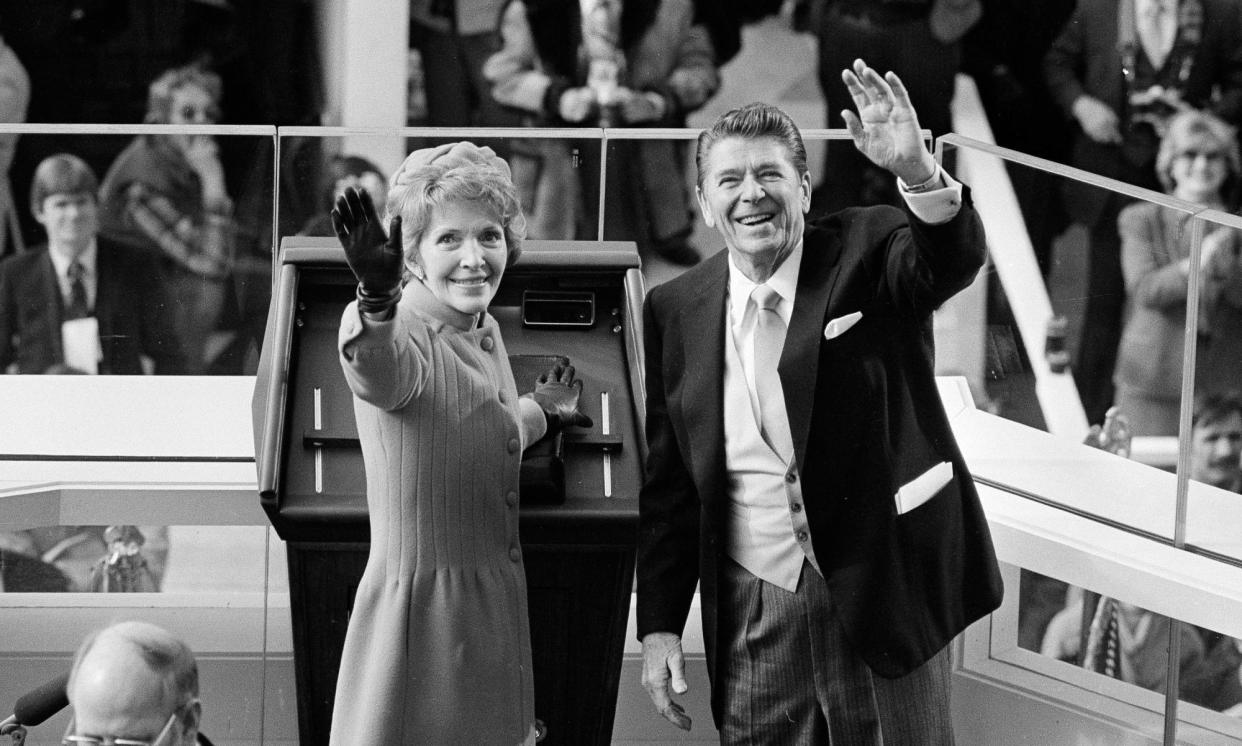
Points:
x=576, y=104
x=640, y=107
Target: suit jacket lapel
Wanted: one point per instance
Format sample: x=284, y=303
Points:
x=799, y=365
x=105, y=295
x=47, y=287
x=703, y=329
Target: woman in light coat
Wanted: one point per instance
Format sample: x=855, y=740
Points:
x=438, y=645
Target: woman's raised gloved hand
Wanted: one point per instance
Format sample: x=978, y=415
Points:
x=374, y=257
x=557, y=394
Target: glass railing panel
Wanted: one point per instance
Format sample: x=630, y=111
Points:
x=1213, y=442
x=1210, y=682
x=204, y=583
x=1117, y=648
x=1085, y=344
x=184, y=222
x=556, y=172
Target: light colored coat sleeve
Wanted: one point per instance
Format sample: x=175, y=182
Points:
x=386, y=363
x=1151, y=267
x=517, y=78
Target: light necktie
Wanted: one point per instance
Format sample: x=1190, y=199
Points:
x=769, y=341
x=1156, y=30
x=78, y=306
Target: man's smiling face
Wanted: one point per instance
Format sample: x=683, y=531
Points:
x=753, y=195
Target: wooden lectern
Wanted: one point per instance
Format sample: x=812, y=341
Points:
x=577, y=299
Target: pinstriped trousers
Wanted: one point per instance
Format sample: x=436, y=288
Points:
x=791, y=677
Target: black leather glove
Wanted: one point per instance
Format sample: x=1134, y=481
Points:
x=557, y=393
x=375, y=258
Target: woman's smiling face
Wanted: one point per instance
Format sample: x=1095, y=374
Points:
x=462, y=255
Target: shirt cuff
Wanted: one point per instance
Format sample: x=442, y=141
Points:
x=930, y=203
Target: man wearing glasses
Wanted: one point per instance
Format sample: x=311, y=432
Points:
x=134, y=684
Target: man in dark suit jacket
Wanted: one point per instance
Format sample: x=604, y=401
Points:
x=1103, y=76
x=822, y=505
x=120, y=286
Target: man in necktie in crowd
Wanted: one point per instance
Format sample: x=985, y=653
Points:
x=802, y=469
x=1120, y=69
x=80, y=304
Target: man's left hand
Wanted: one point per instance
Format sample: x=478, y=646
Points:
x=886, y=129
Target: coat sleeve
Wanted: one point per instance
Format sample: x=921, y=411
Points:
x=386, y=363
x=8, y=315
x=159, y=341
x=695, y=77
x=1153, y=278
x=1064, y=62
x=668, y=505
x=1228, y=103
x=517, y=78
x=923, y=264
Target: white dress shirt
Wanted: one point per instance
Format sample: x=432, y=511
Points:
x=768, y=532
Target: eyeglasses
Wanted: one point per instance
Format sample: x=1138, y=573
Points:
x=160, y=738
x=1211, y=155
x=191, y=113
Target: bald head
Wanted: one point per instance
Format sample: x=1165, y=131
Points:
x=129, y=679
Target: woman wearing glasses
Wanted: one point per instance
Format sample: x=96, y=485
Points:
x=1197, y=162
x=167, y=192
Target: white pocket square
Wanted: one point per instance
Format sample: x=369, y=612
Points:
x=841, y=324
x=921, y=489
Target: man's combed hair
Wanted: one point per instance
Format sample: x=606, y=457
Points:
x=62, y=173
x=1212, y=408
x=752, y=121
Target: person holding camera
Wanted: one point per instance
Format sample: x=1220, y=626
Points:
x=1120, y=69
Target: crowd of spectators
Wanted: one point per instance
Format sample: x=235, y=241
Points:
x=1121, y=640
x=138, y=273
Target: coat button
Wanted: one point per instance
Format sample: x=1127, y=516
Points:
x=515, y=554
x=513, y=445
x=503, y=397
x=487, y=344
x=801, y=536
x=796, y=507
x=791, y=476
x=511, y=498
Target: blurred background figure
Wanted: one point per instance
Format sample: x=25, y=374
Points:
x=1130, y=643
x=1004, y=55
x=167, y=194
x=81, y=302
x=14, y=98
x=346, y=171
x=1121, y=70
x=136, y=681
x=917, y=39
x=629, y=63
x=455, y=38
x=1197, y=162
